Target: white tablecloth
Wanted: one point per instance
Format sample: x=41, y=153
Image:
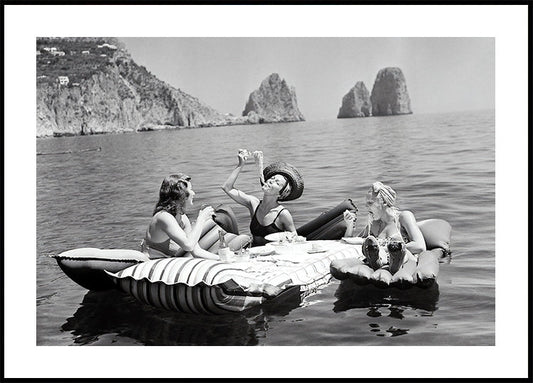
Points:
x=298, y=263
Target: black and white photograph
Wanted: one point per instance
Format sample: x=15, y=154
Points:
x=329, y=185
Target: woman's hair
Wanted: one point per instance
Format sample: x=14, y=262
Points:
x=173, y=194
x=384, y=193
x=285, y=190
x=387, y=197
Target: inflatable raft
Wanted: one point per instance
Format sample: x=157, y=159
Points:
x=437, y=234
x=214, y=286
x=203, y=286
x=193, y=285
x=328, y=225
x=86, y=266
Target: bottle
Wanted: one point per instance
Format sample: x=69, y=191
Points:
x=222, y=240
x=223, y=249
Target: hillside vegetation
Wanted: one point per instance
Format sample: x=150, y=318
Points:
x=103, y=90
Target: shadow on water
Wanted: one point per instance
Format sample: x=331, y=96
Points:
x=351, y=295
x=115, y=313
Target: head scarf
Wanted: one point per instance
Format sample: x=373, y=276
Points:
x=387, y=194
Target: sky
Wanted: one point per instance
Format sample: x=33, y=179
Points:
x=442, y=74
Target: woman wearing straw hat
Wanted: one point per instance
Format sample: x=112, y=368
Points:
x=280, y=182
x=391, y=239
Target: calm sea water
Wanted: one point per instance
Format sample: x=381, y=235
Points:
x=441, y=165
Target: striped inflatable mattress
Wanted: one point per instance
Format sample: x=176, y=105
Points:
x=193, y=285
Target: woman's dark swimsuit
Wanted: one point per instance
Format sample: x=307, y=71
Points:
x=259, y=231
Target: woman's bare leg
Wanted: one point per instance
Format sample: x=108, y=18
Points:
x=371, y=252
x=396, y=255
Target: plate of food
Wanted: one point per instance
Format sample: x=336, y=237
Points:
x=315, y=251
x=261, y=251
x=353, y=240
x=281, y=236
x=316, y=248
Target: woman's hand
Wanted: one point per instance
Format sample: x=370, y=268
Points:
x=258, y=156
x=349, y=217
x=206, y=213
x=243, y=156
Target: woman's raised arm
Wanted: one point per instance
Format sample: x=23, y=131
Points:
x=235, y=194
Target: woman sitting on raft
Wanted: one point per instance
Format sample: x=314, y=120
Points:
x=170, y=229
x=281, y=182
x=391, y=240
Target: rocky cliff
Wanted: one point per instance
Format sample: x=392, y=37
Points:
x=274, y=101
x=92, y=85
x=389, y=94
x=356, y=103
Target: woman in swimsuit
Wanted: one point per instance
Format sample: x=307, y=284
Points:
x=267, y=215
x=170, y=229
x=391, y=239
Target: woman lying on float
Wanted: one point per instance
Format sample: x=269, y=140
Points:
x=391, y=240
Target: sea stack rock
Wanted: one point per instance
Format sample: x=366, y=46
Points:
x=389, y=94
x=356, y=103
x=274, y=101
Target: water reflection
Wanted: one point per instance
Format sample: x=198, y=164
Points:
x=449, y=171
x=351, y=295
x=120, y=315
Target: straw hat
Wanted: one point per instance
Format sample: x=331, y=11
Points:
x=294, y=177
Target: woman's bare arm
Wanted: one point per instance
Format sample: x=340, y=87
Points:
x=197, y=252
x=287, y=223
x=417, y=244
x=187, y=241
x=229, y=186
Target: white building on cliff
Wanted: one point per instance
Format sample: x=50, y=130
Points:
x=106, y=45
x=63, y=80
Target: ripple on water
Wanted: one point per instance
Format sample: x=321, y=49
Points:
x=441, y=165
